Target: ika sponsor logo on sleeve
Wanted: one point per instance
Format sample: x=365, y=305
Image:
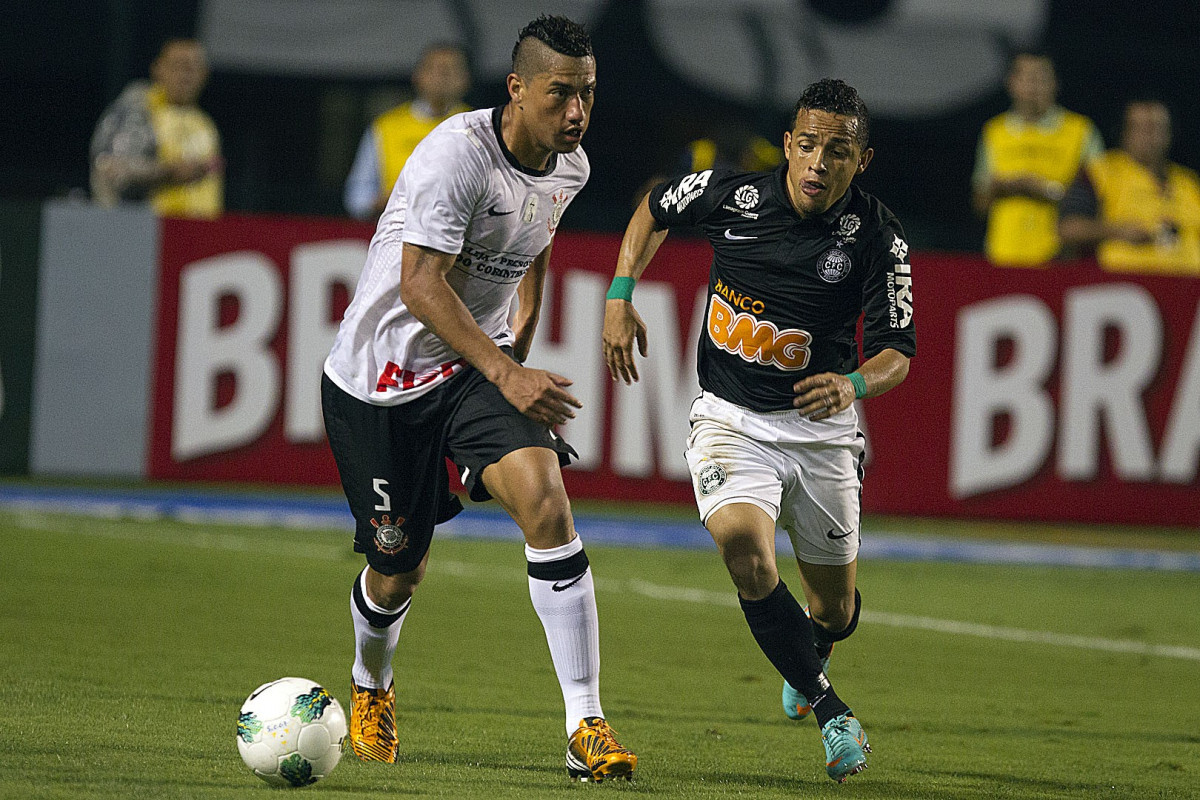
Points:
x=899, y=286
x=689, y=188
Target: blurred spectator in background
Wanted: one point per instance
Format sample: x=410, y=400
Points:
x=1140, y=211
x=441, y=81
x=1026, y=158
x=730, y=147
x=155, y=144
x=725, y=145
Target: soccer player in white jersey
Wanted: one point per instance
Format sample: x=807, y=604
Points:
x=799, y=256
x=427, y=366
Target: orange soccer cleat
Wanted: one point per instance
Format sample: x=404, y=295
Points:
x=593, y=753
x=373, y=724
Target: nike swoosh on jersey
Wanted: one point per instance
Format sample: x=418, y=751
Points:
x=562, y=587
x=839, y=536
x=729, y=234
x=492, y=212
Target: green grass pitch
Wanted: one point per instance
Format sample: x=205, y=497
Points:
x=126, y=648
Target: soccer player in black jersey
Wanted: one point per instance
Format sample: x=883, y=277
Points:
x=799, y=255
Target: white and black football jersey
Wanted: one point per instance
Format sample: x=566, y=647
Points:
x=461, y=192
x=785, y=294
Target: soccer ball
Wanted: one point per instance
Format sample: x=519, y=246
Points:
x=290, y=732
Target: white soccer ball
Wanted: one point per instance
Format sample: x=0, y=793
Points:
x=290, y=732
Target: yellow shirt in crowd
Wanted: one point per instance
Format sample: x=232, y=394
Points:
x=397, y=134
x=185, y=132
x=1023, y=231
x=1128, y=192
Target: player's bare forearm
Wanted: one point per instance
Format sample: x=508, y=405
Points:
x=884, y=371
x=425, y=292
x=529, y=304
x=642, y=238
x=821, y=396
x=539, y=395
x=622, y=324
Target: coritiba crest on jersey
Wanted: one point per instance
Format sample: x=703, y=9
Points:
x=712, y=477
x=833, y=265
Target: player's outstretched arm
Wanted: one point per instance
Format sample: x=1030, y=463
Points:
x=539, y=395
x=622, y=324
x=821, y=396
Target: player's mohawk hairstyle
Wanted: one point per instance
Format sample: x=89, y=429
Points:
x=558, y=33
x=836, y=97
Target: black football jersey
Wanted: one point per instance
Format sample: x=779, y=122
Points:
x=784, y=293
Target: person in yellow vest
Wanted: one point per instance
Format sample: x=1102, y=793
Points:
x=155, y=145
x=440, y=82
x=1140, y=210
x=1026, y=158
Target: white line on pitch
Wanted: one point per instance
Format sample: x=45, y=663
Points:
x=327, y=552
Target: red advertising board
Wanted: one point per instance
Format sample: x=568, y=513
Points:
x=1051, y=394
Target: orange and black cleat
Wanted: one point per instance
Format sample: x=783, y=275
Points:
x=373, y=724
x=593, y=753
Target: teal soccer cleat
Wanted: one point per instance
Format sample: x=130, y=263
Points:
x=795, y=704
x=846, y=747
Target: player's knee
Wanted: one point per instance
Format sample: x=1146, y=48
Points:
x=395, y=590
x=546, y=520
x=833, y=614
x=754, y=574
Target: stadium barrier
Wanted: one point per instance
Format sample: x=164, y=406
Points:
x=1058, y=394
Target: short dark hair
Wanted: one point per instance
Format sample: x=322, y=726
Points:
x=836, y=97
x=558, y=33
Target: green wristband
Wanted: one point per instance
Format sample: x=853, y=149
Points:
x=860, y=385
x=621, y=289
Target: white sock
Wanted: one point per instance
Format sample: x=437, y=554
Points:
x=376, y=630
x=568, y=614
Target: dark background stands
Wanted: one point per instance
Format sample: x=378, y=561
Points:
x=289, y=140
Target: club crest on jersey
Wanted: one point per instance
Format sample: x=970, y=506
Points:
x=833, y=265
x=746, y=197
x=712, y=477
x=389, y=539
x=559, y=199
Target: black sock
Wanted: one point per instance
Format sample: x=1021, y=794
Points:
x=825, y=640
x=785, y=635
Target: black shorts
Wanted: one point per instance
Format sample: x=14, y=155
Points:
x=392, y=460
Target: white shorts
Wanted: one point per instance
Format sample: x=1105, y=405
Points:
x=807, y=476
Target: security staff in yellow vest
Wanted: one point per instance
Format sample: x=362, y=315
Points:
x=1026, y=158
x=154, y=144
x=1140, y=211
x=440, y=82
